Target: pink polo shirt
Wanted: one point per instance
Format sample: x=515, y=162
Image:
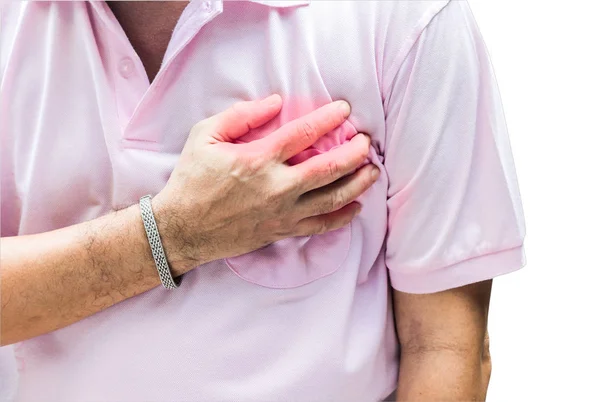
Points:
x=306, y=318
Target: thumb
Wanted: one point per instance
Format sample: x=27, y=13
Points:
x=241, y=117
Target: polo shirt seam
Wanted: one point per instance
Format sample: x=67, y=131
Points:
x=409, y=43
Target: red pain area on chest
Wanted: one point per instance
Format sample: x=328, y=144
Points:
x=296, y=108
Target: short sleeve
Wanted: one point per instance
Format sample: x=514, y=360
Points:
x=454, y=209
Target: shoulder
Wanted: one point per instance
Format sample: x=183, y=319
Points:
x=386, y=15
x=390, y=27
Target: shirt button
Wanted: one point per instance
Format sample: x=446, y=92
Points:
x=126, y=67
x=206, y=6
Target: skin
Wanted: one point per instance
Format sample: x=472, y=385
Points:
x=444, y=344
x=443, y=336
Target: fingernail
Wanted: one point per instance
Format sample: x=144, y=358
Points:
x=271, y=100
x=345, y=107
x=375, y=173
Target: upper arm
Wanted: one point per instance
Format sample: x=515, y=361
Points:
x=452, y=320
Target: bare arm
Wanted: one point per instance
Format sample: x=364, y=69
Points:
x=50, y=280
x=444, y=344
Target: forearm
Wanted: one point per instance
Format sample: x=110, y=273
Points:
x=53, y=279
x=443, y=375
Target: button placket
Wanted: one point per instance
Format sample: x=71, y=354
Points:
x=130, y=86
x=191, y=21
x=129, y=82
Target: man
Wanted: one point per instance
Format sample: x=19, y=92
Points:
x=285, y=286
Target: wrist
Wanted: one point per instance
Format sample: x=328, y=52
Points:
x=182, y=254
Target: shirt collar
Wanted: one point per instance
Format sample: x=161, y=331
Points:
x=272, y=3
x=101, y=7
x=282, y=3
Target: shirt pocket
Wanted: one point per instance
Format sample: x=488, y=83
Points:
x=294, y=261
x=297, y=261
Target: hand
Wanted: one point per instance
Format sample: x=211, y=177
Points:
x=226, y=199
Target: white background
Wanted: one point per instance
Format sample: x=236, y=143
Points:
x=545, y=319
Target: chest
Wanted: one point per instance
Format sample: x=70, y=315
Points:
x=98, y=116
x=110, y=137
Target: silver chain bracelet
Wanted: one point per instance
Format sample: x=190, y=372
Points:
x=158, y=252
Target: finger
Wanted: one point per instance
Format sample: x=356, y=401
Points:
x=241, y=117
x=297, y=135
x=327, y=222
x=338, y=194
x=328, y=167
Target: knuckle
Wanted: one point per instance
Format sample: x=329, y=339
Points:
x=275, y=151
x=364, y=152
x=330, y=205
x=240, y=110
x=366, y=182
x=333, y=168
x=238, y=107
x=254, y=164
x=290, y=186
x=320, y=227
x=295, y=228
x=255, y=161
x=200, y=126
x=277, y=200
x=280, y=185
x=323, y=227
x=338, y=199
x=307, y=130
x=272, y=197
